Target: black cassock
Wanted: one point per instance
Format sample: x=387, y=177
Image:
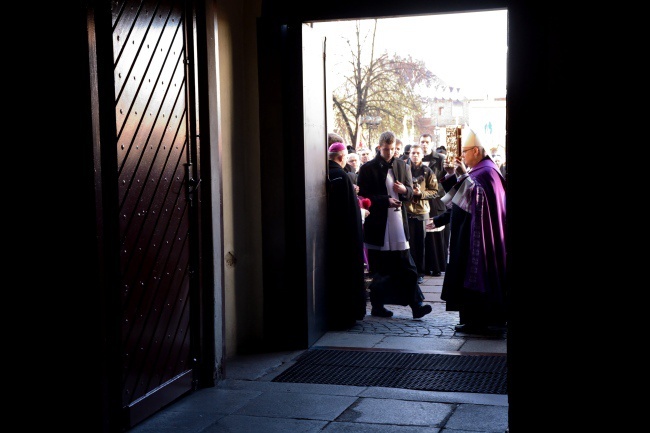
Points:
x=346, y=298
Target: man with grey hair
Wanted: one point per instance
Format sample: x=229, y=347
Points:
x=346, y=291
x=475, y=280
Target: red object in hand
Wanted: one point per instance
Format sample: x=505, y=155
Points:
x=365, y=203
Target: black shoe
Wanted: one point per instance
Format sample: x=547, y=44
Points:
x=436, y=274
x=498, y=327
x=381, y=312
x=421, y=310
x=470, y=328
x=420, y=280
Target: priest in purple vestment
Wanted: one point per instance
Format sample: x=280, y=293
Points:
x=475, y=278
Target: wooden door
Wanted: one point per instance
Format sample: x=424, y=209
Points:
x=154, y=203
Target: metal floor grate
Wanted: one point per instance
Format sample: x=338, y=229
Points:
x=485, y=374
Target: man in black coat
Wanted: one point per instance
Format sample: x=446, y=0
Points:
x=432, y=158
x=387, y=182
x=346, y=292
x=435, y=243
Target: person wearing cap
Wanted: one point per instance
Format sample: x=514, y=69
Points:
x=475, y=280
x=333, y=137
x=346, y=291
x=406, y=154
x=387, y=182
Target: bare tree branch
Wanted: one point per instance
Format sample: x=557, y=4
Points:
x=389, y=87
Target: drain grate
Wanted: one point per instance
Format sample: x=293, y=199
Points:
x=485, y=374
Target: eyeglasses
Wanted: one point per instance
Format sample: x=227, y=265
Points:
x=465, y=150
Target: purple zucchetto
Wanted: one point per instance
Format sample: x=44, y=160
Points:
x=337, y=147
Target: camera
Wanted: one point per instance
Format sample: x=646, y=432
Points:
x=416, y=184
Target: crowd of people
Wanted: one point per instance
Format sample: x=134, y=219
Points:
x=408, y=215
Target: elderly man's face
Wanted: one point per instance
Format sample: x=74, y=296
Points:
x=363, y=155
x=353, y=160
x=471, y=155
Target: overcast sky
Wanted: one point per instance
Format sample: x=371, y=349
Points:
x=466, y=50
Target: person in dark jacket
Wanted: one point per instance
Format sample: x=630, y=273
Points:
x=346, y=292
x=387, y=182
x=434, y=241
x=333, y=137
x=432, y=158
x=406, y=154
x=425, y=187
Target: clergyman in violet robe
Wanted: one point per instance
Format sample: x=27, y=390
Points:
x=475, y=278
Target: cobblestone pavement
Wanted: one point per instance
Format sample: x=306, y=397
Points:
x=437, y=324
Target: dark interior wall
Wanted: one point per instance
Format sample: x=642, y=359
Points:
x=293, y=187
x=89, y=259
x=315, y=163
x=211, y=332
x=87, y=241
x=283, y=194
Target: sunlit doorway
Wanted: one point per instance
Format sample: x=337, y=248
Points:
x=452, y=70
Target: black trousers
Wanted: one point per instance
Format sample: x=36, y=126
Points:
x=435, y=256
x=446, y=236
x=394, y=278
x=417, y=234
